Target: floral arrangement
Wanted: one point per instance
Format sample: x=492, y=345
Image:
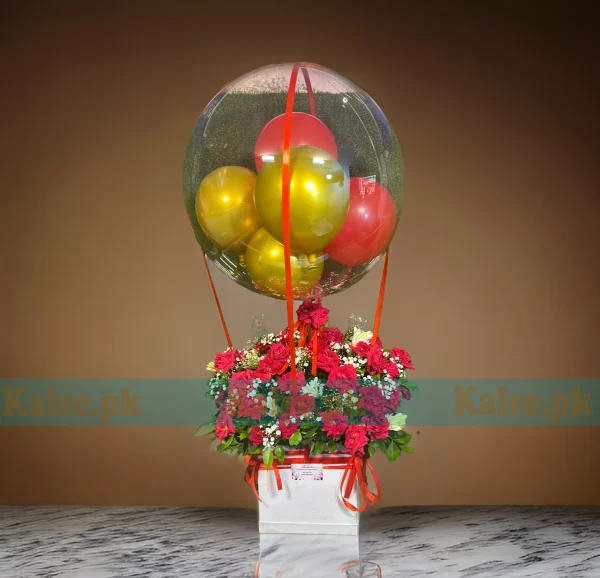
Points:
x=345, y=397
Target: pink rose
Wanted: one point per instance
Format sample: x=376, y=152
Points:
x=362, y=348
x=334, y=423
x=284, y=383
x=301, y=404
x=403, y=357
x=356, y=439
x=376, y=361
x=252, y=407
x=225, y=361
x=256, y=436
x=371, y=399
x=327, y=360
x=269, y=365
x=286, y=426
x=313, y=313
x=343, y=378
x=279, y=352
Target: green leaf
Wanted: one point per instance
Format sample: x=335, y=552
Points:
x=411, y=386
x=404, y=439
x=317, y=447
x=331, y=446
x=243, y=434
x=392, y=452
x=295, y=438
x=280, y=453
x=227, y=442
x=408, y=450
x=204, y=430
x=372, y=448
x=267, y=456
x=254, y=450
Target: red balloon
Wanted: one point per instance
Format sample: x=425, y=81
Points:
x=369, y=226
x=306, y=130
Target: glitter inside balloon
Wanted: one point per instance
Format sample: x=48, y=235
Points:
x=346, y=183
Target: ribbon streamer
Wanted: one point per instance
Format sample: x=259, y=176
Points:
x=212, y=285
x=380, y=299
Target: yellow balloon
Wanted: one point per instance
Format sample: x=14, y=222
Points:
x=266, y=266
x=225, y=207
x=319, y=198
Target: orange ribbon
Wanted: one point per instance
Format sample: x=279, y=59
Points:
x=251, y=475
x=355, y=470
x=313, y=342
x=214, y=291
x=380, y=298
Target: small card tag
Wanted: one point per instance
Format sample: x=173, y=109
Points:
x=307, y=472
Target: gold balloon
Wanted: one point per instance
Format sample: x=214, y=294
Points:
x=319, y=198
x=266, y=266
x=225, y=207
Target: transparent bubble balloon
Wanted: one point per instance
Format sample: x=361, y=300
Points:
x=345, y=174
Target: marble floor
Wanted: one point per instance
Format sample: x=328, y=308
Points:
x=61, y=542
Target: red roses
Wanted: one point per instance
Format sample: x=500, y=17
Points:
x=275, y=359
x=225, y=361
x=362, y=348
x=327, y=360
x=256, y=436
x=252, y=407
x=284, y=383
x=356, y=439
x=224, y=427
x=345, y=396
x=376, y=360
x=302, y=404
x=332, y=335
x=269, y=366
x=334, y=423
x=286, y=426
x=313, y=313
x=343, y=378
x=402, y=356
x=372, y=400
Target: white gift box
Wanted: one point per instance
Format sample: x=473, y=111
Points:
x=310, y=499
x=305, y=556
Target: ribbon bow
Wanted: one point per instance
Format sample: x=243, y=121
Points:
x=356, y=470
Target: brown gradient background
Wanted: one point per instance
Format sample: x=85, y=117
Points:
x=494, y=272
